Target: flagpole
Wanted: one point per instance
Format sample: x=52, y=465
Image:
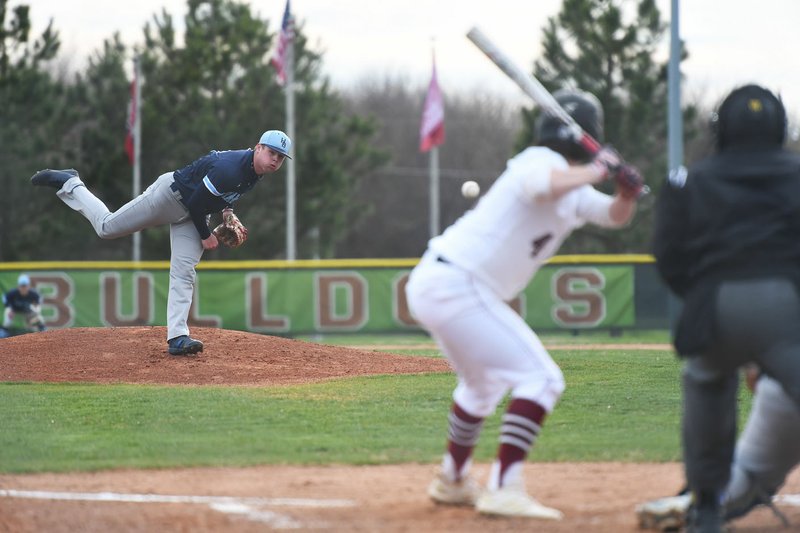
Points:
x=674, y=125
x=433, y=190
x=283, y=61
x=433, y=99
x=137, y=150
x=290, y=166
x=433, y=173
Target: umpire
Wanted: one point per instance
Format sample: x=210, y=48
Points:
x=727, y=241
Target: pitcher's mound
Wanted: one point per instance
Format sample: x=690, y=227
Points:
x=139, y=355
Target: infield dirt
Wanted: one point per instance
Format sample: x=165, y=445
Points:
x=597, y=497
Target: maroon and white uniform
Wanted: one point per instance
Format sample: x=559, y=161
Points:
x=459, y=290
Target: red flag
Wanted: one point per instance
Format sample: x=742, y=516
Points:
x=130, y=124
x=431, y=131
x=285, y=37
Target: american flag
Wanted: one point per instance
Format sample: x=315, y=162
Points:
x=284, y=39
x=432, y=129
x=130, y=123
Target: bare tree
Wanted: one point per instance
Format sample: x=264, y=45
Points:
x=480, y=134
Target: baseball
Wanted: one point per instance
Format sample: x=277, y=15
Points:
x=470, y=189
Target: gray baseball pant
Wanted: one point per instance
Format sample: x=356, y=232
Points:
x=756, y=321
x=768, y=447
x=156, y=206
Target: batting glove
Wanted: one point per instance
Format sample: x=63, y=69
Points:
x=606, y=162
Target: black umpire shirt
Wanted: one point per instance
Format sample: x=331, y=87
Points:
x=734, y=215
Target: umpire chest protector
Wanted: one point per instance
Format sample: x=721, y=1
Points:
x=736, y=216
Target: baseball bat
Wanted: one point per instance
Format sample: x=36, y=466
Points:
x=532, y=87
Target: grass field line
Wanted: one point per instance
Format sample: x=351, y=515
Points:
x=172, y=498
x=592, y=346
x=251, y=508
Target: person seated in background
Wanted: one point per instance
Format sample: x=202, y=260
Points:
x=25, y=302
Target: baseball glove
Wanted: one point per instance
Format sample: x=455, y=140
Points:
x=231, y=232
x=629, y=182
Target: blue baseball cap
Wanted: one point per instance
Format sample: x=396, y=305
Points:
x=23, y=279
x=278, y=141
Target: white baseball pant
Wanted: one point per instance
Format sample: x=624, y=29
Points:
x=490, y=347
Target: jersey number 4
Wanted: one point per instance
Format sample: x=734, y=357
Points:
x=539, y=243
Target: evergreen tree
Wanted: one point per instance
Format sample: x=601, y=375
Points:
x=218, y=91
x=215, y=90
x=34, y=124
x=590, y=45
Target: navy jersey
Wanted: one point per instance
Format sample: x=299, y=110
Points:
x=19, y=303
x=213, y=182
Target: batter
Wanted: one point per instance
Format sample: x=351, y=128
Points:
x=459, y=290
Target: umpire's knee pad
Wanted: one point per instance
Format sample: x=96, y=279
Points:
x=699, y=372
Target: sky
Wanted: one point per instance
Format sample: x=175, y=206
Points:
x=744, y=42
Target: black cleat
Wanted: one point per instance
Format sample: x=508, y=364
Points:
x=53, y=178
x=704, y=519
x=184, y=345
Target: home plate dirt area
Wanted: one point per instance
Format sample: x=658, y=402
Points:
x=597, y=497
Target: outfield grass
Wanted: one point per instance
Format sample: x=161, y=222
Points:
x=619, y=405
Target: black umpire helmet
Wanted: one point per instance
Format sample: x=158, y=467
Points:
x=750, y=116
x=585, y=108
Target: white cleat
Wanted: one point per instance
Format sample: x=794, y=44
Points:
x=462, y=492
x=664, y=514
x=512, y=500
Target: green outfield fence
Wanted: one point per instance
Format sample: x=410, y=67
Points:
x=571, y=292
